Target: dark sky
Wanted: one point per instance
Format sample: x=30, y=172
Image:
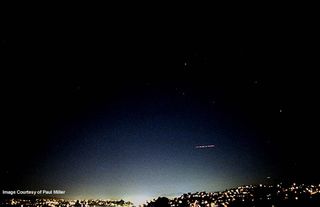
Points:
x=115, y=110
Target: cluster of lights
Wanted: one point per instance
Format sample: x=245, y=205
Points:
x=247, y=195
x=53, y=202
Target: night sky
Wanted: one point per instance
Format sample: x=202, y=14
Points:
x=116, y=110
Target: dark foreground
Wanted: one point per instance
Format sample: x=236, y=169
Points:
x=248, y=196
x=280, y=195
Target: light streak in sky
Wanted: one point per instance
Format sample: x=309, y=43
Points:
x=205, y=146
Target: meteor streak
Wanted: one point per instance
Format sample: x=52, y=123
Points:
x=204, y=146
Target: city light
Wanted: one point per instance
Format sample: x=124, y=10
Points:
x=249, y=195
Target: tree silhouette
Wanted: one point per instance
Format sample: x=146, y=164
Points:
x=160, y=202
